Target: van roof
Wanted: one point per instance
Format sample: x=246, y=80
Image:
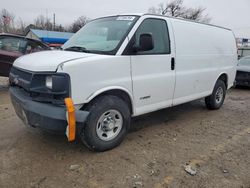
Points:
x=174, y=18
x=180, y=18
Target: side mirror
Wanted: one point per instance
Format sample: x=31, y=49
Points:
x=146, y=42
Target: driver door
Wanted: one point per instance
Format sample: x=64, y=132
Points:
x=153, y=71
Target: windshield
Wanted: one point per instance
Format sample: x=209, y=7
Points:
x=245, y=61
x=12, y=44
x=103, y=35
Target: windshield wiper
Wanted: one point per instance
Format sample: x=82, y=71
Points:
x=77, y=49
x=83, y=49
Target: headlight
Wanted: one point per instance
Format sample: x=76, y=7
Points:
x=57, y=82
x=49, y=82
x=54, y=86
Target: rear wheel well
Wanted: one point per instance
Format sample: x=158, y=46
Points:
x=224, y=78
x=115, y=92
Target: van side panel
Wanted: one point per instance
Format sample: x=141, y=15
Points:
x=203, y=53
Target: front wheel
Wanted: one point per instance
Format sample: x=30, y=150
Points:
x=216, y=100
x=107, y=124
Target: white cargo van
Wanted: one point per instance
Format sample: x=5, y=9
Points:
x=119, y=67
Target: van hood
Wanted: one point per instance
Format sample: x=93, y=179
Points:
x=48, y=60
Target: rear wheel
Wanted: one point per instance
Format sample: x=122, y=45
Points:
x=216, y=100
x=107, y=124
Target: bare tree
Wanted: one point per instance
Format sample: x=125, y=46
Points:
x=8, y=24
x=197, y=14
x=78, y=24
x=41, y=22
x=175, y=8
x=6, y=21
x=59, y=28
x=20, y=26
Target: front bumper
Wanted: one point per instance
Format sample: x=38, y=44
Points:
x=242, y=78
x=42, y=115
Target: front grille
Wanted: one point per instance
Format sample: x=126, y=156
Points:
x=34, y=85
x=22, y=74
x=20, y=78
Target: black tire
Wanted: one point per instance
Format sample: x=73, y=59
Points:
x=212, y=101
x=97, y=109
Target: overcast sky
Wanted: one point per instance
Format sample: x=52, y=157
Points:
x=234, y=14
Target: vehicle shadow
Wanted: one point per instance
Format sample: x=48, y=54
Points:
x=166, y=115
x=148, y=120
x=242, y=87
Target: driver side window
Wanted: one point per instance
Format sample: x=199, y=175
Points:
x=159, y=31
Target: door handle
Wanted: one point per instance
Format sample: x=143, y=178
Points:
x=172, y=63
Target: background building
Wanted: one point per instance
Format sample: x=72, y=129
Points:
x=52, y=38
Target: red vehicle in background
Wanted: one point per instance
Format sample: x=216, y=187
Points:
x=14, y=46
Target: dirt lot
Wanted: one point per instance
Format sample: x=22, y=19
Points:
x=215, y=143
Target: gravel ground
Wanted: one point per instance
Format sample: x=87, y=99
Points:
x=3, y=83
x=215, y=145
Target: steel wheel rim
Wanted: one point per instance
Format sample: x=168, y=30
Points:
x=219, y=95
x=109, y=125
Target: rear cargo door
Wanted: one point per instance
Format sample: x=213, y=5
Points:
x=153, y=72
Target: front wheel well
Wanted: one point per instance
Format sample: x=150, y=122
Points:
x=115, y=92
x=224, y=78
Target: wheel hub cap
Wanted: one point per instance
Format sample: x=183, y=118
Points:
x=109, y=125
x=219, y=95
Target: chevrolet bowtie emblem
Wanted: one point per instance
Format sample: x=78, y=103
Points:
x=16, y=81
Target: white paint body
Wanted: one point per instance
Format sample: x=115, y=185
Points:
x=202, y=53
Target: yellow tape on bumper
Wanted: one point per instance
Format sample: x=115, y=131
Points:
x=71, y=129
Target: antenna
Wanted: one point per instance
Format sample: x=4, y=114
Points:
x=54, y=21
x=47, y=22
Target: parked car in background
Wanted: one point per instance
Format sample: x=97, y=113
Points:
x=14, y=46
x=243, y=51
x=243, y=72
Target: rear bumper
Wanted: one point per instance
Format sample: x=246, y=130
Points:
x=42, y=115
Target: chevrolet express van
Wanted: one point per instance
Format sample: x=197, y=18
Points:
x=120, y=67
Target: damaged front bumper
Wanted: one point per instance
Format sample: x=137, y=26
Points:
x=43, y=115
